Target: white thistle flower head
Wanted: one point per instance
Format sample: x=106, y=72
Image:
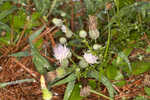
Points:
x=67, y=31
x=61, y=52
x=90, y=58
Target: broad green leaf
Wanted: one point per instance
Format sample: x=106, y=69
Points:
x=113, y=73
x=5, y=13
x=21, y=54
x=69, y=78
x=75, y=95
x=140, y=67
x=69, y=90
x=147, y=90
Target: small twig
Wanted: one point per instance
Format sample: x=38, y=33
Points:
x=22, y=34
x=50, y=59
x=25, y=68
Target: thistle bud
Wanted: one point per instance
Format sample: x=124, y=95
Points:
x=85, y=91
x=96, y=46
x=62, y=40
x=47, y=95
x=57, y=22
x=67, y=31
x=93, y=31
x=63, y=14
x=83, y=34
x=64, y=63
x=60, y=72
x=108, y=6
x=83, y=63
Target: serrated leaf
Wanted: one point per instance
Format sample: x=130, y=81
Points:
x=69, y=90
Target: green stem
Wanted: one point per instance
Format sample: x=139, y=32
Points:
x=52, y=7
x=108, y=41
x=16, y=82
x=93, y=91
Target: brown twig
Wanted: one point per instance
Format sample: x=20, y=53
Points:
x=51, y=37
x=22, y=34
x=34, y=74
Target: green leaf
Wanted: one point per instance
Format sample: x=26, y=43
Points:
x=125, y=58
x=69, y=78
x=148, y=49
x=140, y=98
x=19, y=20
x=40, y=62
x=21, y=54
x=75, y=95
x=120, y=83
x=36, y=34
x=108, y=85
x=69, y=90
x=147, y=90
x=140, y=67
x=113, y=73
x=104, y=80
x=5, y=27
x=92, y=83
x=5, y=13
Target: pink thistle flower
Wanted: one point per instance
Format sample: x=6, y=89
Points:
x=89, y=58
x=61, y=52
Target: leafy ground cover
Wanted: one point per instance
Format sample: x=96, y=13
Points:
x=74, y=50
